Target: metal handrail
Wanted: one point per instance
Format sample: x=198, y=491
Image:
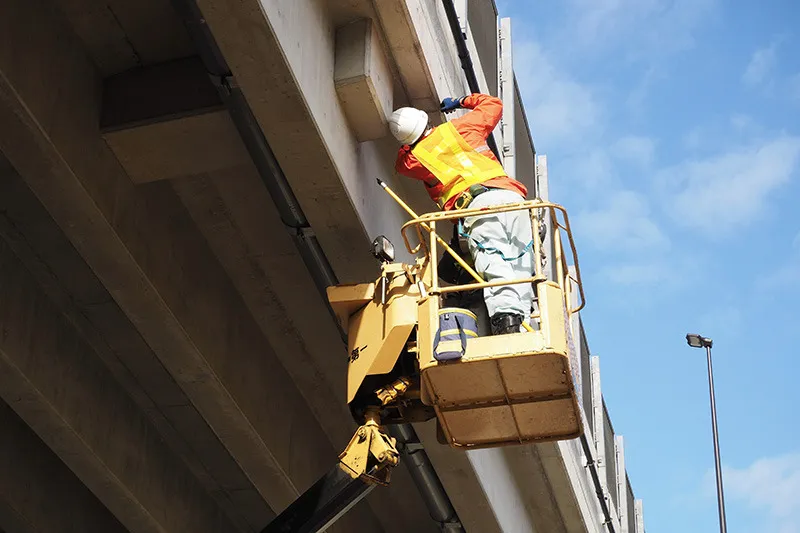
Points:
x=428, y=221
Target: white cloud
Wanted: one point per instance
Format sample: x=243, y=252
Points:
x=783, y=278
x=588, y=172
x=719, y=194
x=787, y=275
x=769, y=486
x=761, y=65
x=623, y=222
x=742, y=122
x=643, y=27
x=637, y=97
x=719, y=133
x=561, y=110
x=636, y=273
x=659, y=272
x=693, y=139
x=794, y=88
x=719, y=318
x=635, y=149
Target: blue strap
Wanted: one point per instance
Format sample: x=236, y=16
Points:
x=489, y=249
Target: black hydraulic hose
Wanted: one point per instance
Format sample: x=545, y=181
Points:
x=424, y=476
x=598, y=486
x=269, y=170
x=466, y=60
x=292, y=216
x=288, y=207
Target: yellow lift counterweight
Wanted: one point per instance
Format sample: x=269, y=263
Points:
x=503, y=390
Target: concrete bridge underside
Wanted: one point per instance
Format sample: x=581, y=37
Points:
x=167, y=363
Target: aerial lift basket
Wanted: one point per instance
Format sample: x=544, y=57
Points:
x=504, y=390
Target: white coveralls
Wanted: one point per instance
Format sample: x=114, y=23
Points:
x=508, y=233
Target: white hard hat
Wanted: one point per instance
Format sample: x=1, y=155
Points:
x=407, y=124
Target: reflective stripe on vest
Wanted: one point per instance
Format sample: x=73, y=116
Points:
x=454, y=162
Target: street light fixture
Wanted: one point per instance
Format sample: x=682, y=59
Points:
x=697, y=341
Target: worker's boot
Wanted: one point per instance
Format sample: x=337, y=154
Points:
x=504, y=323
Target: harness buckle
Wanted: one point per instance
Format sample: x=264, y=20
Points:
x=463, y=200
x=466, y=197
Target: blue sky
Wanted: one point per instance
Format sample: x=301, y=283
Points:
x=672, y=130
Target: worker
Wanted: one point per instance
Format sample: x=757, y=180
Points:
x=459, y=171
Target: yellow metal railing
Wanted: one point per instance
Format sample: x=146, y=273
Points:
x=427, y=224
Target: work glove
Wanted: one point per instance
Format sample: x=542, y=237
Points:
x=450, y=104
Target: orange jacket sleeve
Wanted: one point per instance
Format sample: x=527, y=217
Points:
x=404, y=165
x=486, y=113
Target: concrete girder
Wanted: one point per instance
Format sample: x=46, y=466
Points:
x=53, y=380
x=263, y=262
x=569, y=485
x=39, y=490
x=460, y=481
x=120, y=35
x=536, y=489
x=438, y=47
x=144, y=248
x=332, y=175
x=66, y=279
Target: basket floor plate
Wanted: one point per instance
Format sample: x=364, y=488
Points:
x=505, y=399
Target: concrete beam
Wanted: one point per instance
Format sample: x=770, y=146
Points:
x=157, y=93
x=268, y=271
x=120, y=35
x=500, y=486
x=536, y=489
x=461, y=482
x=184, y=146
x=70, y=284
x=144, y=248
x=51, y=378
x=570, y=486
x=363, y=79
x=167, y=121
x=332, y=175
x=42, y=493
x=403, y=40
x=438, y=47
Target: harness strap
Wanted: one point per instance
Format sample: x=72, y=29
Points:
x=489, y=249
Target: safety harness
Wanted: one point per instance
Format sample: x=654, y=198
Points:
x=489, y=249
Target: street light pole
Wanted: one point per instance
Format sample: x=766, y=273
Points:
x=720, y=496
x=697, y=341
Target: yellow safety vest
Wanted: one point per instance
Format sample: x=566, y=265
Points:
x=456, y=164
